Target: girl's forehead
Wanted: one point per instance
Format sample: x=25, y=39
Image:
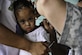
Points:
x=25, y=9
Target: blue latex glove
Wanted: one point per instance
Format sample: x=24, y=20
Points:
x=72, y=1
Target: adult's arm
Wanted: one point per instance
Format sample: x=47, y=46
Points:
x=54, y=11
x=9, y=38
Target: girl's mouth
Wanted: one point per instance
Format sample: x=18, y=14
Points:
x=28, y=29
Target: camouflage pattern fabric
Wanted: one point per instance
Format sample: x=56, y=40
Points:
x=72, y=33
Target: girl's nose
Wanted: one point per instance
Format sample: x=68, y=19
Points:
x=27, y=23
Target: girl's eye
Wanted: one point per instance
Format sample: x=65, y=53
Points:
x=30, y=19
x=22, y=21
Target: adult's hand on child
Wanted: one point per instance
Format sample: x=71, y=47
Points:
x=48, y=27
x=38, y=48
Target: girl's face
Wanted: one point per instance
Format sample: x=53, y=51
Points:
x=26, y=19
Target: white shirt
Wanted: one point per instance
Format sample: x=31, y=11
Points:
x=38, y=35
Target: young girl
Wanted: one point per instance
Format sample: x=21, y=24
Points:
x=25, y=17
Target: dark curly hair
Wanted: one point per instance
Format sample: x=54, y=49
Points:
x=22, y=3
x=80, y=0
x=19, y=4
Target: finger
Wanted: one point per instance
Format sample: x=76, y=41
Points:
x=46, y=44
x=46, y=25
x=51, y=27
x=46, y=52
x=45, y=22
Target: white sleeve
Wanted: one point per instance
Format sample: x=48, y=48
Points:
x=23, y=52
x=7, y=17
